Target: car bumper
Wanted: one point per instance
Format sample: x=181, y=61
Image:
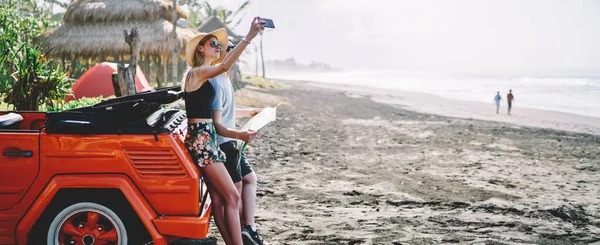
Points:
x=183, y=226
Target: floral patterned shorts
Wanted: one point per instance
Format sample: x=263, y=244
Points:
x=201, y=141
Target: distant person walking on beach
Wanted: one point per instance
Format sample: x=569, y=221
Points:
x=497, y=99
x=510, y=98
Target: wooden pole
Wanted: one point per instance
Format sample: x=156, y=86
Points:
x=261, y=55
x=76, y=72
x=256, y=63
x=115, y=82
x=125, y=79
x=156, y=71
x=165, y=73
x=175, y=44
x=133, y=39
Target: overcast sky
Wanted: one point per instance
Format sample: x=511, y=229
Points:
x=443, y=34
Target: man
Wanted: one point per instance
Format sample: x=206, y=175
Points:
x=497, y=99
x=244, y=178
x=510, y=98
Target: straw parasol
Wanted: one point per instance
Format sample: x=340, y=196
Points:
x=94, y=29
x=214, y=23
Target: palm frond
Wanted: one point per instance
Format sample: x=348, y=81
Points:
x=242, y=7
x=208, y=10
x=239, y=21
x=226, y=14
x=221, y=14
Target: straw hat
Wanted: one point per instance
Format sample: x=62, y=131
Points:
x=190, y=48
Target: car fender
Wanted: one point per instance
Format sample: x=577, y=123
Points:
x=89, y=181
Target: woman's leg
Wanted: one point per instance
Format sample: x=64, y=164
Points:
x=221, y=183
x=218, y=206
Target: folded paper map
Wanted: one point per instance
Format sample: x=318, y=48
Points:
x=256, y=123
x=261, y=119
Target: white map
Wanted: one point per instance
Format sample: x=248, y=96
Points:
x=256, y=123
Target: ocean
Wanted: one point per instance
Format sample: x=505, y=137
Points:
x=571, y=94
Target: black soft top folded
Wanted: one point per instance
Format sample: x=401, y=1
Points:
x=140, y=113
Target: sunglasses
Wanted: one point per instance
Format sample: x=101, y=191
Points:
x=214, y=44
x=229, y=48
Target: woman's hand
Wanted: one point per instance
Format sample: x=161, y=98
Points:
x=255, y=28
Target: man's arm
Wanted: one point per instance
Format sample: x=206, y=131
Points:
x=217, y=107
x=240, y=113
x=246, y=136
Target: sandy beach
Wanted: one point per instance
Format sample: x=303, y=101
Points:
x=345, y=165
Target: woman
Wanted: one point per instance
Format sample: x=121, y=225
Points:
x=203, y=53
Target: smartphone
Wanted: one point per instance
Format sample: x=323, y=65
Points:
x=268, y=23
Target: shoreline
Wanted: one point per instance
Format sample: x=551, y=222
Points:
x=462, y=109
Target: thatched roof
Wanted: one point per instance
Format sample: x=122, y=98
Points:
x=85, y=11
x=94, y=28
x=214, y=23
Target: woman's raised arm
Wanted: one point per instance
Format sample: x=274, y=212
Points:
x=207, y=71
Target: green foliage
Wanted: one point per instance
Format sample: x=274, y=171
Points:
x=200, y=11
x=33, y=81
x=196, y=15
x=83, y=102
x=16, y=28
x=27, y=79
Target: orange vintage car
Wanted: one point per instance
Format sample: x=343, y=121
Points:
x=113, y=173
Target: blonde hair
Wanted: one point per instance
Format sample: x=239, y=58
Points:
x=198, y=60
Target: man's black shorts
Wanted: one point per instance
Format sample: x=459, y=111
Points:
x=231, y=153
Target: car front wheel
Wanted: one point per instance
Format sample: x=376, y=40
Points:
x=87, y=223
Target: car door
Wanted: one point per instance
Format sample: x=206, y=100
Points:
x=19, y=164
